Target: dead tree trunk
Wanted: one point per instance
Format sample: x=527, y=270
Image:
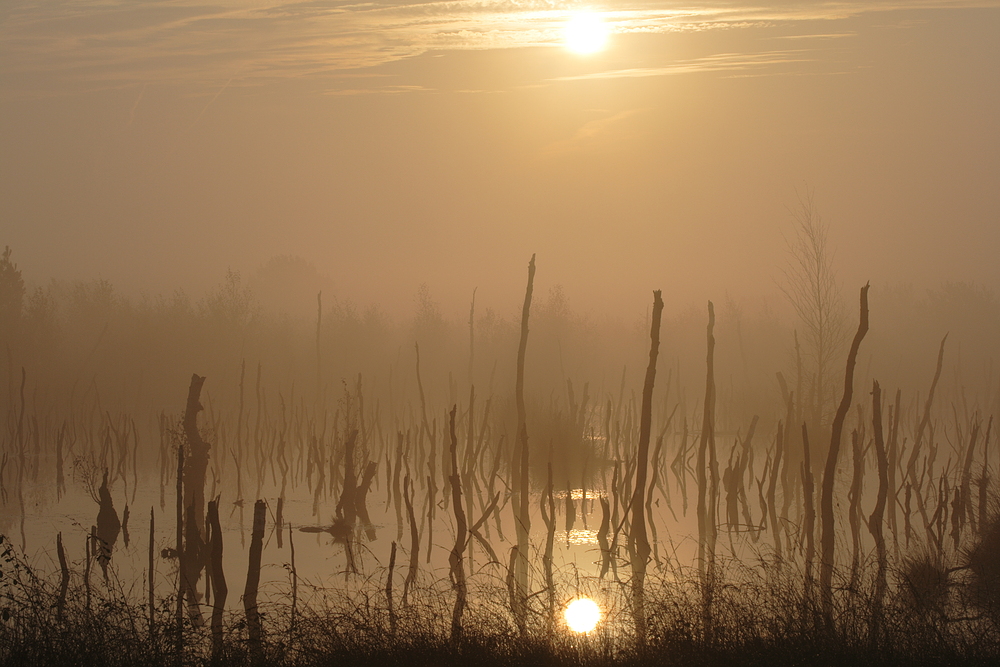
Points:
x=457, y=555
x=152, y=598
x=181, y=588
x=522, y=519
x=876, y=519
x=254, y=629
x=548, y=507
x=911, y=464
x=706, y=488
x=388, y=591
x=411, y=573
x=196, y=463
x=195, y=469
x=809, y=519
x=638, y=535
x=64, y=578
x=219, y=589
x=827, y=528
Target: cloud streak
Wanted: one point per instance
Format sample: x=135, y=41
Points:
x=59, y=46
x=722, y=62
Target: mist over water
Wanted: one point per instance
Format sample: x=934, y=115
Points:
x=359, y=429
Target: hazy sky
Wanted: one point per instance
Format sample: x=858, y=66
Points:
x=155, y=144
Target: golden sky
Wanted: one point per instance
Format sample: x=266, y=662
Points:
x=155, y=144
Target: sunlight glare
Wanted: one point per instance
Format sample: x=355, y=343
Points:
x=585, y=32
x=582, y=615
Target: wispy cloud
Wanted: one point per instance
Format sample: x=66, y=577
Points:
x=722, y=62
x=60, y=45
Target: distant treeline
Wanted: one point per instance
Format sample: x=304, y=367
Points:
x=77, y=338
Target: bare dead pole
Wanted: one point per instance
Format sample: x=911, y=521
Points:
x=194, y=472
x=164, y=457
x=827, y=527
x=279, y=523
x=469, y=480
x=522, y=520
x=254, y=449
x=772, y=504
x=638, y=535
x=431, y=434
x=196, y=464
x=254, y=630
x=151, y=565
x=60, y=480
x=911, y=464
x=701, y=479
x=875, y=521
x=893, y=463
x=706, y=491
x=388, y=591
x=411, y=573
x=361, y=498
x=548, y=507
x=219, y=589
x=926, y=471
x=472, y=343
x=64, y=577
x=395, y=488
x=179, y=611
x=491, y=485
x=22, y=463
x=456, y=559
x=295, y=579
x=798, y=378
x=431, y=499
x=790, y=455
x=984, y=481
x=858, y=452
x=510, y=580
x=935, y=527
x=193, y=572
x=473, y=531
x=108, y=526
x=743, y=461
x=135, y=466
x=238, y=455
x=906, y=512
x=89, y=554
x=319, y=348
x=347, y=506
x=809, y=520
x=964, y=509
x=424, y=423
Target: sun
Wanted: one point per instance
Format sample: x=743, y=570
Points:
x=585, y=32
x=582, y=615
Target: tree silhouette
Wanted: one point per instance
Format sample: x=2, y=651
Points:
x=812, y=289
x=11, y=296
